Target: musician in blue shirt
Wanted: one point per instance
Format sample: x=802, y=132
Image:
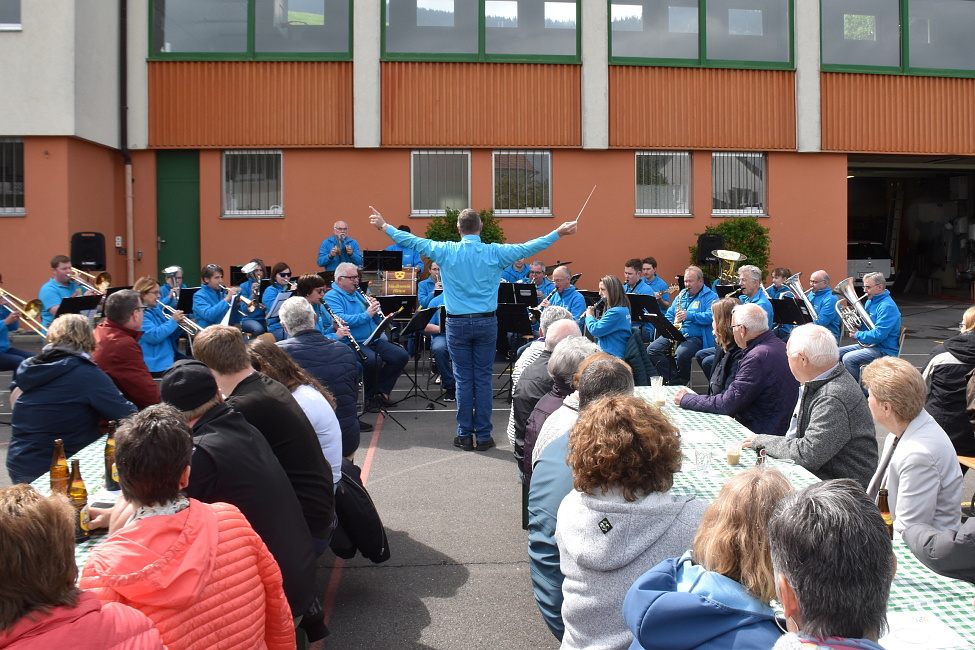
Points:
x=438, y=344
x=168, y=290
x=691, y=313
x=536, y=274
x=612, y=330
x=884, y=337
x=58, y=287
x=253, y=323
x=426, y=288
x=633, y=283
x=657, y=284
x=211, y=302
x=778, y=290
x=411, y=259
x=517, y=272
x=567, y=296
x=339, y=248
x=824, y=302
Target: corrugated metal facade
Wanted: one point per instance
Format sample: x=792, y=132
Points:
x=428, y=104
x=701, y=108
x=874, y=113
x=204, y=104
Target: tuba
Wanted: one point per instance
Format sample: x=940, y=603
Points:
x=793, y=284
x=729, y=259
x=854, y=317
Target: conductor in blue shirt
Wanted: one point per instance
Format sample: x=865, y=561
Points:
x=471, y=273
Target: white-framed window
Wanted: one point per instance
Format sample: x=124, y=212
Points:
x=12, y=177
x=439, y=179
x=738, y=182
x=9, y=15
x=522, y=182
x=252, y=184
x=663, y=182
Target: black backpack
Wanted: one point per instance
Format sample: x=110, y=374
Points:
x=359, y=526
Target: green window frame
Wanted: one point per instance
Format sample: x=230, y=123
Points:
x=707, y=55
x=482, y=53
x=913, y=30
x=247, y=43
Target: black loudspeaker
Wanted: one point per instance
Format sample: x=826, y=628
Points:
x=88, y=251
x=705, y=244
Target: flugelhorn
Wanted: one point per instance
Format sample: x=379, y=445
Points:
x=30, y=311
x=855, y=317
x=96, y=283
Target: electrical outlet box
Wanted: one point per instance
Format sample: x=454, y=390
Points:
x=121, y=251
x=118, y=241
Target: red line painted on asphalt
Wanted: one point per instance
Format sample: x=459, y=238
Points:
x=332, y=590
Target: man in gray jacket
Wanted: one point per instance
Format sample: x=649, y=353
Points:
x=832, y=432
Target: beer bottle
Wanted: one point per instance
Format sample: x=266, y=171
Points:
x=111, y=472
x=885, y=512
x=59, y=469
x=78, y=495
x=761, y=456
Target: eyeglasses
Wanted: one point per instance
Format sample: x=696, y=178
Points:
x=868, y=286
x=349, y=277
x=285, y=275
x=734, y=327
x=817, y=282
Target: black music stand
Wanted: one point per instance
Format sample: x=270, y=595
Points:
x=667, y=330
x=416, y=326
x=724, y=289
x=402, y=307
x=789, y=311
x=575, y=278
x=328, y=276
x=506, y=293
x=112, y=290
x=592, y=297
x=272, y=310
x=185, y=302
x=513, y=319
x=382, y=260
x=526, y=294
x=80, y=305
x=642, y=306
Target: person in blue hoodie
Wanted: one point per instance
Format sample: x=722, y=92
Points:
x=612, y=329
x=60, y=393
x=716, y=596
x=884, y=338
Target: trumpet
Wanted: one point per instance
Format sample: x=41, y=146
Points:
x=188, y=326
x=29, y=311
x=95, y=283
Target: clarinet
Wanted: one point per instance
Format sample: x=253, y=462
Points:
x=335, y=319
x=365, y=299
x=537, y=311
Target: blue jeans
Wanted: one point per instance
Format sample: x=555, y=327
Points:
x=393, y=359
x=854, y=356
x=439, y=346
x=472, y=342
x=253, y=326
x=10, y=360
x=658, y=351
x=705, y=359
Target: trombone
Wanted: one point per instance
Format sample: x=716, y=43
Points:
x=29, y=311
x=96, y=283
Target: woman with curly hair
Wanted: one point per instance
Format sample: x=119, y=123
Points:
x=621, y=519
x=716, y=596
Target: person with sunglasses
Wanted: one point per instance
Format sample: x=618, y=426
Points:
x=280, y=281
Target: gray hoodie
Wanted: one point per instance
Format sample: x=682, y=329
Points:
x=606, y=543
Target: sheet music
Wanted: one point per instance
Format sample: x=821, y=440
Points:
x=376, y=333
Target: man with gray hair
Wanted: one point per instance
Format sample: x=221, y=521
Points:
x=831, y=432
x=535, y=381
x=752, y=291
x=816, y=538
x=119, y=354
x=884, y=338
x=824, y=302
x=764, y=391
x=562, y=366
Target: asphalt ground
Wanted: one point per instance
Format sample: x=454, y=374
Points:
x=458, y=574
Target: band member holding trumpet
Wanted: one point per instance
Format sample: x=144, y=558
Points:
x=158, y=340
x=384, y=360
x=884, y=338
x=426, y=288
x=691, y=313
x=824, y=302
x=339, y=248
x=612, y=329
x=58, y=287
x=280, y=281
x=253, y=319
x=212, y=301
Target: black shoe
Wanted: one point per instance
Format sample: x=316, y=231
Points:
x=364, y=427
x=384, y=401
x=450, y=395
x=484, y=445
x=372, y=406
x=465, y=443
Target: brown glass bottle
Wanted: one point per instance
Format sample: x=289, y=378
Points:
x=78, y=495
x=885, y=512
x=59, y=469
x=761, y=456
x=111, y=473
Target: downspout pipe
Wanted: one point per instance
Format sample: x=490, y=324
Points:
x=123, y=92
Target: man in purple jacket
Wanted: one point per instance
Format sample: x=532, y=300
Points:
x=764, y=392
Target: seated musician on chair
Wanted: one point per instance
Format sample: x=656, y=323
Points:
x=159, y=330
x=884, y=338
x=566, y=295
x=824, y=302
x=691, y=314
x=438, y=345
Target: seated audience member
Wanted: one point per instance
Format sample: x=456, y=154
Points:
x=40, y=606
x=946, y=378
x=333, y=364
x=270, y=408
x=918, y=466
x=562, y=366
x=720, y=363
x=184, y=563
x=118, y=352
x=948, y=552
x=817, y=537
x=623, y=453
x=438, y=345
x=563, y=418
x=599, y=375
x=612, y=330
x=59, y=393
x=535, y=381
x=764, y=391
x=158, y=340
x=313, y=398
x=831, y=433
x=232, y=463
x=529, y=354
x=716, y=596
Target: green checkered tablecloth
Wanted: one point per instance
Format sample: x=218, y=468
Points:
x=915, y=588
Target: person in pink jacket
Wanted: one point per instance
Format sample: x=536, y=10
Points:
x=40, y=607
x=197, y=570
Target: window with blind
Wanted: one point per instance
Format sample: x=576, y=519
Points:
x=663, y=182
x=440, y=179
x=738, y=183
x=523, y=182
x=252, y=183
x=9, y=15
x=12, y=177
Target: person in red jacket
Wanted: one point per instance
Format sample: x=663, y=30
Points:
x=40, y=607
x=118, y=353
x=197, y=570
